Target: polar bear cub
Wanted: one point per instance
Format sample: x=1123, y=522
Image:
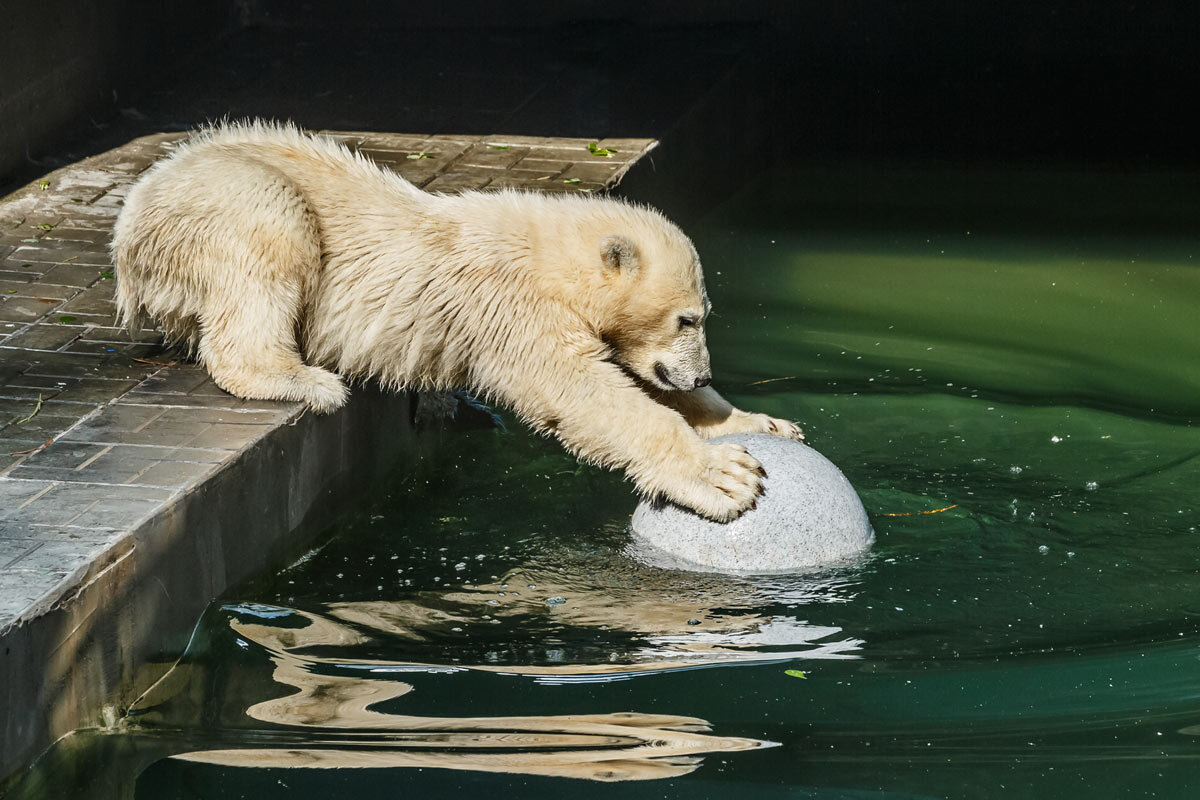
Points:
x=287, y=263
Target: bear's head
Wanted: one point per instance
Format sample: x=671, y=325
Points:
x=654, y=318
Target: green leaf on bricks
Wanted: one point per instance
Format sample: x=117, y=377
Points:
x=66, y=319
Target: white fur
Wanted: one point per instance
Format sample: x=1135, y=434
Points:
x=284, y=261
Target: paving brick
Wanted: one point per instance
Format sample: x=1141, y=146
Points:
x=12, y=550
x=88, y=505
x=112, y=333
x=23, y=408
x=94, y=301
x=24, y=309
x=129, y=349
x=75, y=274
x=174, y=381
x=228, y=436
x=16, y=495
x=20, y=589
x=17, y=388
x=493, y=156
x=36, y=289
x=72, y=365
x=36, y=430
x=119, y=506
x=455, y=182
x=55, y=251
x=45, y=336
x=598, y=174
x=222, y=415
x=147, y=466
x=407, y=144
x=53, y=557
x=174, y=474
x=95, y=390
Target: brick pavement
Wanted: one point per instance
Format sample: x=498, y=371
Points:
x=101, y=430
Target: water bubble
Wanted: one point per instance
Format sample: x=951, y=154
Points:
x=493, y=602
x=555, y=601
x=1091, y=486
x=693, y=621
x=1056, y=439
x=1070, y=554
x=1043, y=549
x=460, y=566
x=1015, y=470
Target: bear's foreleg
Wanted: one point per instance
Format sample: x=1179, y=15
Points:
x=601, y=416
x=712, y=415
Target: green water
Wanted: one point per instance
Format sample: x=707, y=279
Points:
x=1041, y=639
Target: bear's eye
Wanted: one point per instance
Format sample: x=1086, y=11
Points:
x=687, y=322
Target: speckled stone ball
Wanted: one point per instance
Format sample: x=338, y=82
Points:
x=809, y=517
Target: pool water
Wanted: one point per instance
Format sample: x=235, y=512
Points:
x=1011, y=386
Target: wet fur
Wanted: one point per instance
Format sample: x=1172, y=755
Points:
x=288, y=263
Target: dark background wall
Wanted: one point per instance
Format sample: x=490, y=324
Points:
x=68, y=66
x=1009, y=82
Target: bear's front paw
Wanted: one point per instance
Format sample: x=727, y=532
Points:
x=730, y=482
x=781, y=427
x=747, y=422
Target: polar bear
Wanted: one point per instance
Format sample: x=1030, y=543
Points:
x=287, y=263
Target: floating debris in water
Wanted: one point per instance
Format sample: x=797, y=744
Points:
x=912, y=513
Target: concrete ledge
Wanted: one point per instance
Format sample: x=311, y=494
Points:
x=106, y=630
x=133, y=491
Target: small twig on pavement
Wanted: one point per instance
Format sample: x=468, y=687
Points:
x=32, y=449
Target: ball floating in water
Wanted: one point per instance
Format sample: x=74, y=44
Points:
x=809, y=517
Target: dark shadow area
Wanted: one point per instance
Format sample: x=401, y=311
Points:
x=944, y=82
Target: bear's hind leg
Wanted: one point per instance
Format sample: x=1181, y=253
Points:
x=248, y=345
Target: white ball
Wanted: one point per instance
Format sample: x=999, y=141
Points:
x=810, y=516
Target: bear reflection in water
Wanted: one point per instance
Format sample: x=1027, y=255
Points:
x=341, y=684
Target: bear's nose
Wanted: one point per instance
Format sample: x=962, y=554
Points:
x=702, y=382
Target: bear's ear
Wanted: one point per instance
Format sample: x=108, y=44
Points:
x=619, y=253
